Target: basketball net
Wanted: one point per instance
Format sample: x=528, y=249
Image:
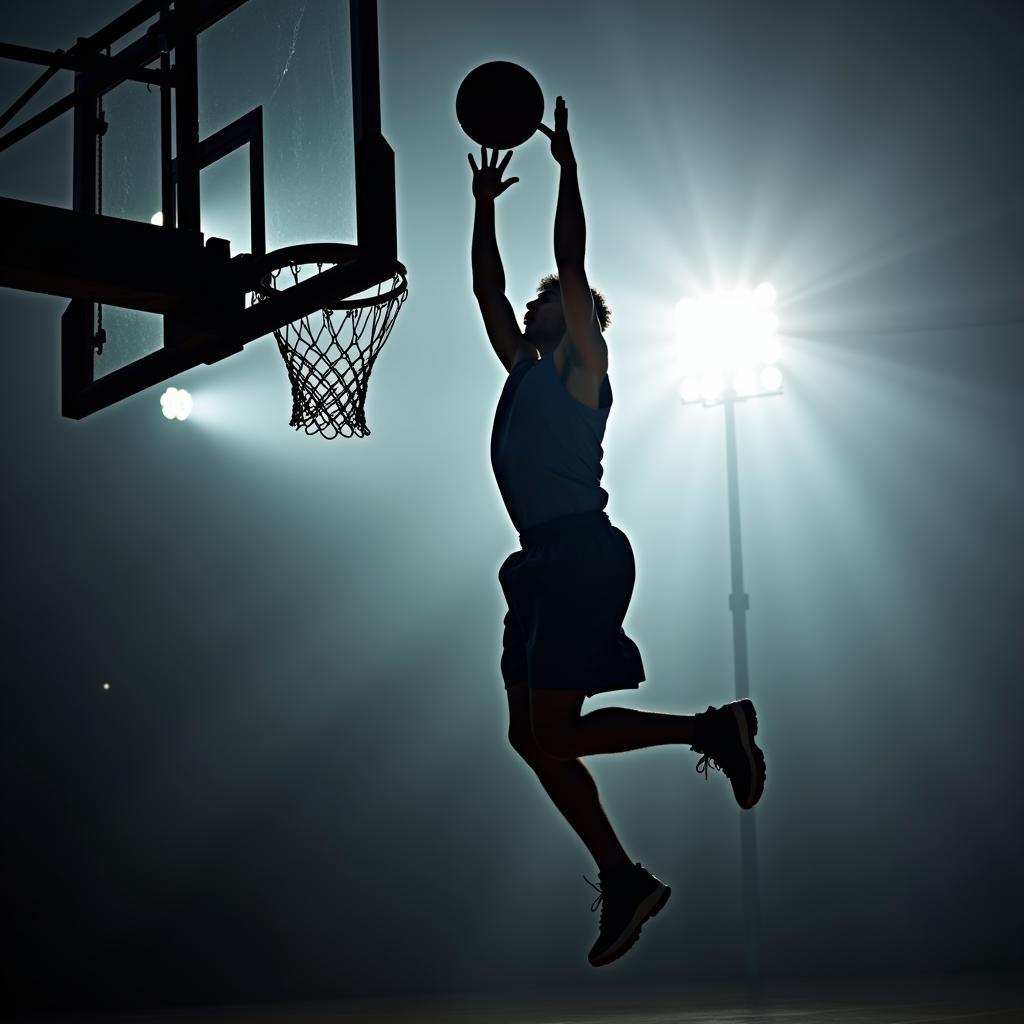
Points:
x=327, y=359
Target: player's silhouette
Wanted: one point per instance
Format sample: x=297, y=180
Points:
x=569, y=585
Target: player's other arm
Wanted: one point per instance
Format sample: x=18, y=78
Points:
x=488, y=274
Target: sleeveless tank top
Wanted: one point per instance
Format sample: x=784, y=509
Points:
x=546, y=446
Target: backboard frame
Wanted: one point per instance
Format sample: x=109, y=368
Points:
x=171, y=269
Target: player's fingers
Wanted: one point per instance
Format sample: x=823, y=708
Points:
x=504, y=163
x=509, y=183
x=472, y=163
x=545, y=129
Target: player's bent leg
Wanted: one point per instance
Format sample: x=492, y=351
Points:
x=563, y=733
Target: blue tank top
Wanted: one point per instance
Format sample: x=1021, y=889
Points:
x=546, y=446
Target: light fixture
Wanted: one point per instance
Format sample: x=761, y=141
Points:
x=176, y=404
x=726, y=341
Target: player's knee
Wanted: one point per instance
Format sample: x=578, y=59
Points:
x=552, y=741
x=523, y=743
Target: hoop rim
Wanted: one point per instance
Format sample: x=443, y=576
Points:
x=338, y=253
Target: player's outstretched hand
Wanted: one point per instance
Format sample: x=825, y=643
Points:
x=487, y=183
x=561, y=147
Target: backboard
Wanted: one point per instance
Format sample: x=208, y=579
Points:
x=207, y=135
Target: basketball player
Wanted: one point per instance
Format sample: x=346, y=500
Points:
x=569, y=586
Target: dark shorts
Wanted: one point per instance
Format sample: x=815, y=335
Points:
x=567, y=591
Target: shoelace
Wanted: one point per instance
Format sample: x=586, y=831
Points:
x=702, y=764
x=707, y=759
x=599, y=902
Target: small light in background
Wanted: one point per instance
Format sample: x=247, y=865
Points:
x=176, y=403
x=157, y=219
x=106, y=686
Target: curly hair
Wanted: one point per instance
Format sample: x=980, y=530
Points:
x=604, y=314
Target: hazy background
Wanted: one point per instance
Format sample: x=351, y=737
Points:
x=298, y=784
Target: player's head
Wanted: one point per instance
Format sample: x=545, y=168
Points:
x=546, y=325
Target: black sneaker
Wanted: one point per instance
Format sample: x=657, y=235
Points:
x=725, y=736
x=629, y=896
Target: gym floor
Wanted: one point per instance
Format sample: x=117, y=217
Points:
x=980, y=999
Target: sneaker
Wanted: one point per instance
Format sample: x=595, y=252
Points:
x=628, y=897
x=725, y=736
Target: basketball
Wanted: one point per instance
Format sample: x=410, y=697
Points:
x=499, y=105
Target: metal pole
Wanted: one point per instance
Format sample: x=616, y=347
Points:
x=168, y=200
x=376, y=228
x=186, y=114
x=77, y=323
x=739, y=602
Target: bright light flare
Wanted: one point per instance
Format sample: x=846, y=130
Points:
x=726, y=341
x=176, y=404
x=764, y=295
x=771, y=378
x=711, y=387
x=157, y=219
x=744, y=383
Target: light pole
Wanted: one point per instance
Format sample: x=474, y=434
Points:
x=729, y=355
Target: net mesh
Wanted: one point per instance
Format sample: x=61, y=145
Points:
x=327, y=359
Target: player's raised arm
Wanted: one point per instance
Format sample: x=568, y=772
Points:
x=488, y=273
x=586, y=343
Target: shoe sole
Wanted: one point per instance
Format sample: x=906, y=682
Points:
x=746, y=722
x=627, y=940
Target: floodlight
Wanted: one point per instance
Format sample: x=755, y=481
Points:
x=176, y=404
x=771, y=378
x=725, y=340
x=744, y=383
x=157, y=219
x=711, y=387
